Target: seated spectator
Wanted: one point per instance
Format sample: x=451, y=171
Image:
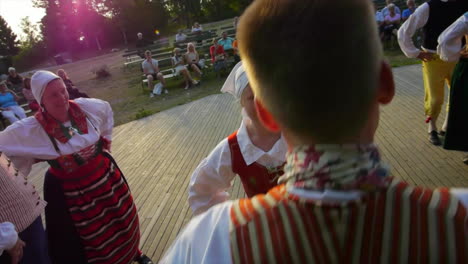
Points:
x=73, y=92
x=9, y=105
x=14, y=81
x=180, y=36
x=218, y=56
x=22, y=236
x=193, y=60
x=226, y=42
x=151, y=70
x=380, y=19
x=28, y=95
x=337, y=201
x=141, y=44
x=197, y=27
x=235, y=50
x=408, y=12
x=386, y=12
x=234, y=23
x=178, y=63
x=392, y=22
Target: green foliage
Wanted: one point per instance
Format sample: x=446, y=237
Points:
x=143, y=113
x=30, y=55
x=31, y=33
x=8, y=41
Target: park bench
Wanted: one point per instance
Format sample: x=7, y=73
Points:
x=158, y=46
x=3, y=120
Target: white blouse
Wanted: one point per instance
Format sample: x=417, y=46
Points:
x=450, y=41
x=211, y=179
x=405, y=34
x=25, y=141
x=8, y=236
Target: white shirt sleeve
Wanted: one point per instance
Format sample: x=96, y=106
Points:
x=8, y=236
x=102, y=114
x=205, y=240
x=405, y=34
x=450, y=41
x=461, y=194
x=211, y=179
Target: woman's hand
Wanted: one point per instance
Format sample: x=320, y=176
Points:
x=16, y=252
x=425, y=56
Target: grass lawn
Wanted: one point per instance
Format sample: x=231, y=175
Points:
x=396, y=58
x=129, y=101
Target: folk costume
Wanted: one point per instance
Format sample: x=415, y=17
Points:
x=90, y=216
x=236, y=155
x=450, y=49
x=335, y=204
x=433, y=17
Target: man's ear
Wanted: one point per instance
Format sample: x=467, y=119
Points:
x=386, y=89
x=266, y=118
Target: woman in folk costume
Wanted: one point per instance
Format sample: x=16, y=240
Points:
x=450, y=49
x=252, y=152
x=432, y=17
x=90, y=216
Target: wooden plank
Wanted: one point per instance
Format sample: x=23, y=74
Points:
x=159, y=153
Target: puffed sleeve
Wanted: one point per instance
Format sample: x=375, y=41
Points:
x=102, y=114
x=450, y=41
x=211, y=179
x=8, y=236
x=405, y=34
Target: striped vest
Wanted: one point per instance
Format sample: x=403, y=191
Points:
x=402, y=224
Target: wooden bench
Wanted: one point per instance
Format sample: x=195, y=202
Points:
x=26, y=109
x=226, y=28
x=155, y=48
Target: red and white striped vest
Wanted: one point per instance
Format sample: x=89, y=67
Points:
x=402, y=224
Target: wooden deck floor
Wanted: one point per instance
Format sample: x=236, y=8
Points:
x=157, y=154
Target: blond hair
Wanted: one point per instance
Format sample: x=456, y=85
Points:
x=314, y=64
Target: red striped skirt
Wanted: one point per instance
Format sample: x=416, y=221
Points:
x=102, y=210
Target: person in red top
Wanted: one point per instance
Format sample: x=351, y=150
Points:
x=218, y=56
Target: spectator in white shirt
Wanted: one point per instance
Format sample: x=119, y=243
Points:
x=197, y=27
x=180, y=36
x=386, y=10
x=178, y=62
x=151, y=70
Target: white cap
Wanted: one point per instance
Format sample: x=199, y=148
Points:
x=236, y=81
x=11, y=69
x=39, y=82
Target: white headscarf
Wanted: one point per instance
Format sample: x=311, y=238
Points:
x=236, y=81
x=39, y=82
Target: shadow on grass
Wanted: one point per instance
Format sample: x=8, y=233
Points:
x=396, y=58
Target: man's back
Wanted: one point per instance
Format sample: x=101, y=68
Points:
x=403, y=224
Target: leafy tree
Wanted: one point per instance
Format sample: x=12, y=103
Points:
x=30, y=32
x=8, y=42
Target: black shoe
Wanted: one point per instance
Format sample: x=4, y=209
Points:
x=465, y=160
x=434, y=138
x=143, y=259
x=442, y=133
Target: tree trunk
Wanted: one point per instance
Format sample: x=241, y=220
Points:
x=97, y=43
x=124, y=34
